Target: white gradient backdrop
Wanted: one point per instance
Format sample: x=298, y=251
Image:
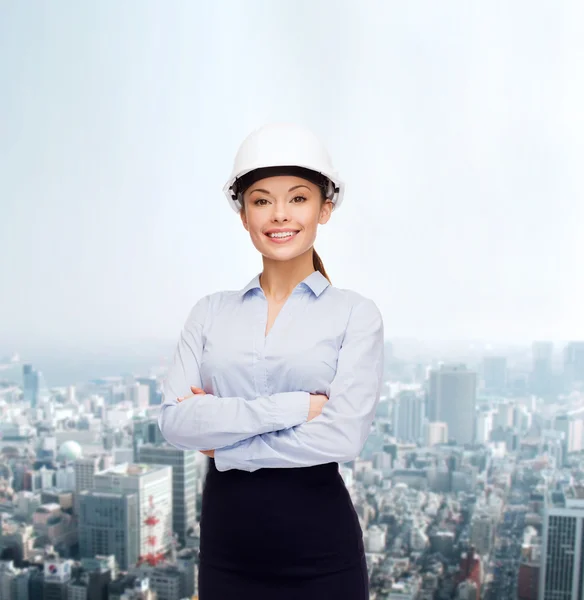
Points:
x=458, y=127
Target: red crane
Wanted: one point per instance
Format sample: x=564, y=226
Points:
x=152, y=557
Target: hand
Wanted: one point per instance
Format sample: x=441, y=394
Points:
x=317, y=401
x=198, y=392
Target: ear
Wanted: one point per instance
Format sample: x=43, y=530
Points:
x=325, y=212
x=243, y=218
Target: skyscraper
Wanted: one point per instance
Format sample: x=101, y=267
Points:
x=30, y=382
x=146, y=431
x=452, y=400
x=495, y=373
x=541, y=371
x=436, y=432
x=152, y=484
x=108, y=524
x=138, y=395
x=484, y=426
x=151, y=382
x=151, y=448
x=85, y=469
x=571, y=424
x=562, y=573
x=408, y=415
x=574, y=363
x=184, y=482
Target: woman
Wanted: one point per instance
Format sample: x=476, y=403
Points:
x=286, y=377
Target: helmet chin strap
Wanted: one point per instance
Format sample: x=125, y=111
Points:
x=331, y=190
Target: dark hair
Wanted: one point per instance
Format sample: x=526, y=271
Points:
x=316, y=260
x=318, y=266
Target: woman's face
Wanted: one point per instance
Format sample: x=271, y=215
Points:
x=282, y=215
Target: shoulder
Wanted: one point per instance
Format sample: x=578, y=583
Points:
x=210, y=305
x=357, y=304
x=361, y=315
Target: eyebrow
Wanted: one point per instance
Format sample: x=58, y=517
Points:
x=294, y=187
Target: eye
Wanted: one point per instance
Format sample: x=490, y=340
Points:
x=259, y=201
x=300, y=198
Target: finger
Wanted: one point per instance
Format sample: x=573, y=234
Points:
x=184, y=398
x=197, y=390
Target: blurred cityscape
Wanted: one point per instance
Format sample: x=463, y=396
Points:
x=470, y=485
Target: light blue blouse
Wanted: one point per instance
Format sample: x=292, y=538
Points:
x=325, y=340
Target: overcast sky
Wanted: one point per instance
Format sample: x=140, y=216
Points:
x=457, y=126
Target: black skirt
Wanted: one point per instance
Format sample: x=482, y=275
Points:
x=280, y=534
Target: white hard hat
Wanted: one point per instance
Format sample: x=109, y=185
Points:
x=283, y=145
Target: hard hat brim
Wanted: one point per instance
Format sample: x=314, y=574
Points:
x=235, y=205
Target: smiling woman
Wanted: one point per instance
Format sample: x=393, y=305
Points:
x=285, y=149
x=285, y=376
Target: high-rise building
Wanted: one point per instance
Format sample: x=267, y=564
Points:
x=138, y=395
x=57, y=574
x=176, y=579
x=99, y=572
x=571, y=425
x=184, y=482
x=152, y=484
x=574, y=363
x=154, y=394
x=85, y=469
x=482, y=530
x=8, y=575
x=109, y=524
x=470, y=570
x=505, y=415
x=146, y=431
x=541, y=370
x=529, y=573
x=436, y=433
x=31, y=385
x=408, y=415
x=452, y=400
x=484, y=425
x=495, y=373
x=562, y=573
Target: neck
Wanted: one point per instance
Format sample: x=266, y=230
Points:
x=279, y=278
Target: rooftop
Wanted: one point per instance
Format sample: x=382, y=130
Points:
x=131, y=469
x=570, y=497
x=575, y=493
x=48, y=507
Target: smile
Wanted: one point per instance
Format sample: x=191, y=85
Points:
x=281, y=237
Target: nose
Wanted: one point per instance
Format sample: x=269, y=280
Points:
x=280, y=212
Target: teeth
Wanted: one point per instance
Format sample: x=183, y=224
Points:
x=281, y=235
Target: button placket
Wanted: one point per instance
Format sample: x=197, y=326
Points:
x=280, y=326
x=259, y=371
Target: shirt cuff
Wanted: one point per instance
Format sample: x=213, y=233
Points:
x=221, y=462
x=290, y=408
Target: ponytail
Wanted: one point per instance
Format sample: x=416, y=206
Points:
x=318, y=266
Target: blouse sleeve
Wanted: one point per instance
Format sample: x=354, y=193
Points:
x=339, y=433
x=209, y=422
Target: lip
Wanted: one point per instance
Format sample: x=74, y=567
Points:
x=283, y=240
x=281, y=230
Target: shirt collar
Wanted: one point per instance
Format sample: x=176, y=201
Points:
x=253, y=284
x=316, y=282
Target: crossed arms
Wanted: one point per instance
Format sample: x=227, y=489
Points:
x=273, y=431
